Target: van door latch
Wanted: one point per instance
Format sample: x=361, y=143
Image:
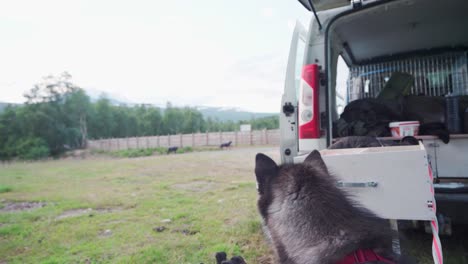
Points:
x=356, y=3
x=288, y=109
x=356, y=184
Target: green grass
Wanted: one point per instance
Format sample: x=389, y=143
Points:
x=192, y=190
x=4, y=189
x=135, y=153
x=455, y=247
x=209, y=197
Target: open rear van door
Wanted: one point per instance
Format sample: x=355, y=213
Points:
x=319, y=5
x=288, y=112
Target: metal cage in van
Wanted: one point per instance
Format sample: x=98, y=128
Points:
x=434, y=75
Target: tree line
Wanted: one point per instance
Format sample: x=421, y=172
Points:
x=58, y=116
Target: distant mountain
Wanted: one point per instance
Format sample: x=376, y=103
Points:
x=95, y=95
x=230, y=114
x=219, y=113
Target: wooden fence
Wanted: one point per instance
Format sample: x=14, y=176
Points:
x=257, y=137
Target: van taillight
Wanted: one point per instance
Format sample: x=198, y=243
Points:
x=309, y=126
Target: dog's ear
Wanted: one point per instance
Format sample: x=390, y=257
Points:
x=265, y=168
x=315, y=159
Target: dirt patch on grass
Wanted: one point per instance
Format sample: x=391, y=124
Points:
x=105, y=233
x=21, y=206
x=86, y=211
x=195, y=186
x=74, y=213
x=186, y=231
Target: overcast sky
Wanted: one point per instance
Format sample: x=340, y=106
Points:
x=190, y=52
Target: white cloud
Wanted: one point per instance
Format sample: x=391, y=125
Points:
x=291, y=23
x=268, y=12
x=183, y=53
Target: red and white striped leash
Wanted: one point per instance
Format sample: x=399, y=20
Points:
x=436, y=244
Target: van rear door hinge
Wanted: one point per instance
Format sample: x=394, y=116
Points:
x=323, y=78
x=288, y=109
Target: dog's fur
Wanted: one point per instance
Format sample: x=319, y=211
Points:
x=172, y=150
x=225, y=145
x=309, y=220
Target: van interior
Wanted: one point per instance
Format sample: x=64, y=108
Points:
x=423, y=40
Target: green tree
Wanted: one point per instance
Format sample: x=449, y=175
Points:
x=103, y=122
x=173, y=120
x=193, y=120
x=78, y=108
x=56, y=111
x=152, y=121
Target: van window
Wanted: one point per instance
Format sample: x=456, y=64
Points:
x=299, y=65
x=342, y=73
x=434, y=75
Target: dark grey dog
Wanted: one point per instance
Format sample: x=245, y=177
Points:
x=172, y=149
x=225, y=145
x=308, y=219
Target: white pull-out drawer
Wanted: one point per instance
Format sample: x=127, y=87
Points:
x=393, y=182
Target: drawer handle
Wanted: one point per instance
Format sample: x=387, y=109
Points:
x=357, y=184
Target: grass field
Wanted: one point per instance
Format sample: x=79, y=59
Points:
x=161, y=209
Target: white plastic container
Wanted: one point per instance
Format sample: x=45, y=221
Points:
x=405, y=128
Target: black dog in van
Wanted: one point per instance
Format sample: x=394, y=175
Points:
x=371, y=116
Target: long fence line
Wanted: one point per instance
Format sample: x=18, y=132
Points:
x=255, y=137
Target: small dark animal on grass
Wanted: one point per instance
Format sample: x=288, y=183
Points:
x=225, y=145
x=172, y=150
x=221, y=258
x=309, y=220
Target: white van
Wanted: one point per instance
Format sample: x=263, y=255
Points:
x=427, y=39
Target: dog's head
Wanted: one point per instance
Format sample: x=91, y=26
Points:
x=293, y=200
x=290, y=188
x=308, y=218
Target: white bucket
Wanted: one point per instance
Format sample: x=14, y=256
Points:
x=405, y=128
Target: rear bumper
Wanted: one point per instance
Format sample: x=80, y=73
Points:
x=452, y=201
